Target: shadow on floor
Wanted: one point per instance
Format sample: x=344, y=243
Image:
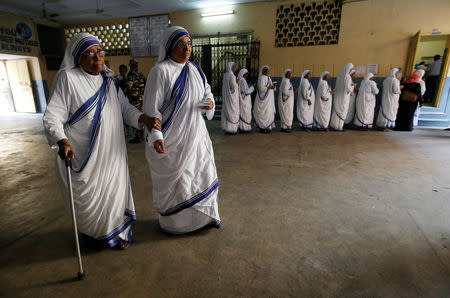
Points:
x=59, y=244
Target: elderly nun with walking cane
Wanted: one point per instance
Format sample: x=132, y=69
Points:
x=84, y=122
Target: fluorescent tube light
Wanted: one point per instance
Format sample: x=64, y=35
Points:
x=221, y=13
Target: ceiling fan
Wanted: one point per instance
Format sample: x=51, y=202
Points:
x=98, y=12
x=48, y=17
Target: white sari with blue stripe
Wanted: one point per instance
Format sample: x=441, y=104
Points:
x=245, y=105
x=324, y=100
x=305, y=112
x=230, y=101
x=389, y=101
x=185, y=182
x=89, y=111
x=264, y=107
x=344, y=88
x=286, y=103
x=365, y=103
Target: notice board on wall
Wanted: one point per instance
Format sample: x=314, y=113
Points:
x=146, y=33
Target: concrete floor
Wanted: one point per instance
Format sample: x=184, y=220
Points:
x=363, y=214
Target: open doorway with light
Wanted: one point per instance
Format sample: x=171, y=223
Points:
x=430, y=53
x=16, y=88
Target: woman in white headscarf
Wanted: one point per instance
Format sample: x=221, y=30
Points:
x=389, y=101
x=365, y=103
x=85, y=116
x=423, y=88
x=286, y=101
x=324, y=97
x=181, y=156
x=245, y=102
x=305, y=101
x=352, y=101
x=264, y=107
x=230, y=100
x=344, y=88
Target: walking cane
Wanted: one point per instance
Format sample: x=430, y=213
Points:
x=74, y=219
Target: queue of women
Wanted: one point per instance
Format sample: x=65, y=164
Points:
x=321, y=109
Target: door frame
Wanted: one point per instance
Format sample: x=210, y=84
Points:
x=412, y=56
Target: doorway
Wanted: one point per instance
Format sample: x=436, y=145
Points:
x=430, y=52
x=214, y=52
x=16, y=91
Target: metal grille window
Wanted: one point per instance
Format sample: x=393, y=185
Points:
x=308, y=24
x=146, y=33
x=114, y=37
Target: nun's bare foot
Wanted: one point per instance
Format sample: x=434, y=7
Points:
x=386, y=130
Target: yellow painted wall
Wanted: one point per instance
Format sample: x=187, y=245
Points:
x=376, y=31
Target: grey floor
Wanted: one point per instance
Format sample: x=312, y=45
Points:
x=364, y=214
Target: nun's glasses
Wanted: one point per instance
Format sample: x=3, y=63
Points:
x=92, y=53
x=182, y=44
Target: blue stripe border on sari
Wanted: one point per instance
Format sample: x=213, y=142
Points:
x=192, y=201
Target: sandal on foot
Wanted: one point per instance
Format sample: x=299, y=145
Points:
x=123, y=245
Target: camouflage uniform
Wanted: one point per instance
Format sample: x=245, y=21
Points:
x=135, y=95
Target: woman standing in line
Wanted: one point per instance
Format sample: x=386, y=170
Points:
x=286, y=101
x=365, y=103
x=245, y=102
x=324, y=97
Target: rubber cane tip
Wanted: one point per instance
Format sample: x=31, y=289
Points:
x=81, y=276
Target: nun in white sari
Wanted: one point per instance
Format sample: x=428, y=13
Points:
x=286, y=101
x=245, y=102
x=181, y=156
x=352, y=101
x=365, y=103
x=324, y=97
x=423, y=88
x=344, y=88
x=84, y=116
x=389, y=100
x=305, y=101
x=264, y=107
x=230, y=100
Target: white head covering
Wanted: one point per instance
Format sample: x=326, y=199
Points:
x=261, y=71
x=393, y=72
x=421, y=72
x=284, y=76
x=304, y=74
x=364, y=84
x=230, y=66
x=286, y=72
x=343, y=75
x=242, y=72
x=76, y=47
x=322, y=85
x=368, y=76
x=324, y=74
x=322, y=77
x=423, y=87
x=171, y=36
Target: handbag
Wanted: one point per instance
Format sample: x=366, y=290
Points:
x=409, y=96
